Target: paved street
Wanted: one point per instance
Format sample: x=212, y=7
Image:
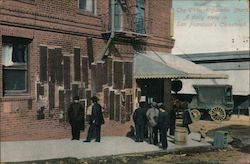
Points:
x=51, y=149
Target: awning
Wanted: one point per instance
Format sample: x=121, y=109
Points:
x=149, y=64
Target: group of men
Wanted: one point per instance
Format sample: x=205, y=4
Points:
x=154, y=119
x=148, y=120
x=76, y=118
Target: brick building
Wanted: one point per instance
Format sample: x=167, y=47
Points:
x=62, y=48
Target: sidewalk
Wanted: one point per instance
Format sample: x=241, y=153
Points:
x=51, y=149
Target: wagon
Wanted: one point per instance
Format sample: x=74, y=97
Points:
x=215, y=101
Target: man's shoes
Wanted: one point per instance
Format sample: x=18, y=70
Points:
x=141, y=140
x=97, y=141
x=86, y=141
x=164, y=148
x=136, y=140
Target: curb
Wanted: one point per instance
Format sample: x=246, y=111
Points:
x=144, y=155
x=120, y=158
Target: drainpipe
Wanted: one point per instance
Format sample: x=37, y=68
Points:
x=112, y=35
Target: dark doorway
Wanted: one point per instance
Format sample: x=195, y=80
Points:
x=152, y=88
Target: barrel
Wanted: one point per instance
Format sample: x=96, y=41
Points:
x=180, y=135
x=179, y=122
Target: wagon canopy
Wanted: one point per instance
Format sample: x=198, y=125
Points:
x=150, y=64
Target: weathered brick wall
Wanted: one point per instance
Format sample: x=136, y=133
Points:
x=159, y=13
x=60, y=25
x=20, y=123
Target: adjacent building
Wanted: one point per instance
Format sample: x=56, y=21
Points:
x=236, y=64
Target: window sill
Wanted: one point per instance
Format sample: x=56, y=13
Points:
x=16, y=97
x=31, y=2
x=87, y=13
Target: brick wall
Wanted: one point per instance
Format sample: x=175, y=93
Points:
x=58, y=24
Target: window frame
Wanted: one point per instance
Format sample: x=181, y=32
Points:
x=9, y=40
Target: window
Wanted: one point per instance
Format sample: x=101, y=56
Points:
x=118, y=11
x=15, y=70
x=140, y=10
x=228, y=94
x=117, y=15
x=87, y=5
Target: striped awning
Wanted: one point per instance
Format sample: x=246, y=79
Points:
x=149, y=65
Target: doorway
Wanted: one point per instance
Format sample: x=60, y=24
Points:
x=153, y=89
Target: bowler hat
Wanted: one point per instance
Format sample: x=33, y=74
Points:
x=94, y=98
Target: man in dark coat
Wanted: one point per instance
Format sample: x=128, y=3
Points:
x=172, y=121
x=139, y=118
x=163, y=124
x=76, y=118
x=96, y=120
x=186, y=120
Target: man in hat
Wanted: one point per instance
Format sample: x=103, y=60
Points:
x=186, y=119
x=163, y=122
x=152, y=116
x=139, y=118
x=96, y=120
x=76, y=117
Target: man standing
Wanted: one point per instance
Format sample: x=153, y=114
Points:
x=186, y=119
x=172, y=116
x=76, y=117
x=152, y=116
x=163, y=126
x=96, y=120
x=139, y=120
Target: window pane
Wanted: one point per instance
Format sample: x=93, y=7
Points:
x=117, y=16
x=82, y=4
x=14, y=80
x=7, y=54
x=140, y=17
x=19, y=53
x=89, y=5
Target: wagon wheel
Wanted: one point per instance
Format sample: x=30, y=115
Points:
x=217, y=113
x=196, y=114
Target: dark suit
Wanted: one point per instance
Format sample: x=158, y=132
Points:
x=163, y=124
x=186, y=120
x=139, y=118
x=76, y=119
x=96, y=120
x=172, y=120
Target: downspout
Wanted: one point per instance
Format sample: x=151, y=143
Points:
x=112, y=35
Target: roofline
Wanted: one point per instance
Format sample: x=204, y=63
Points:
x=230, y=56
